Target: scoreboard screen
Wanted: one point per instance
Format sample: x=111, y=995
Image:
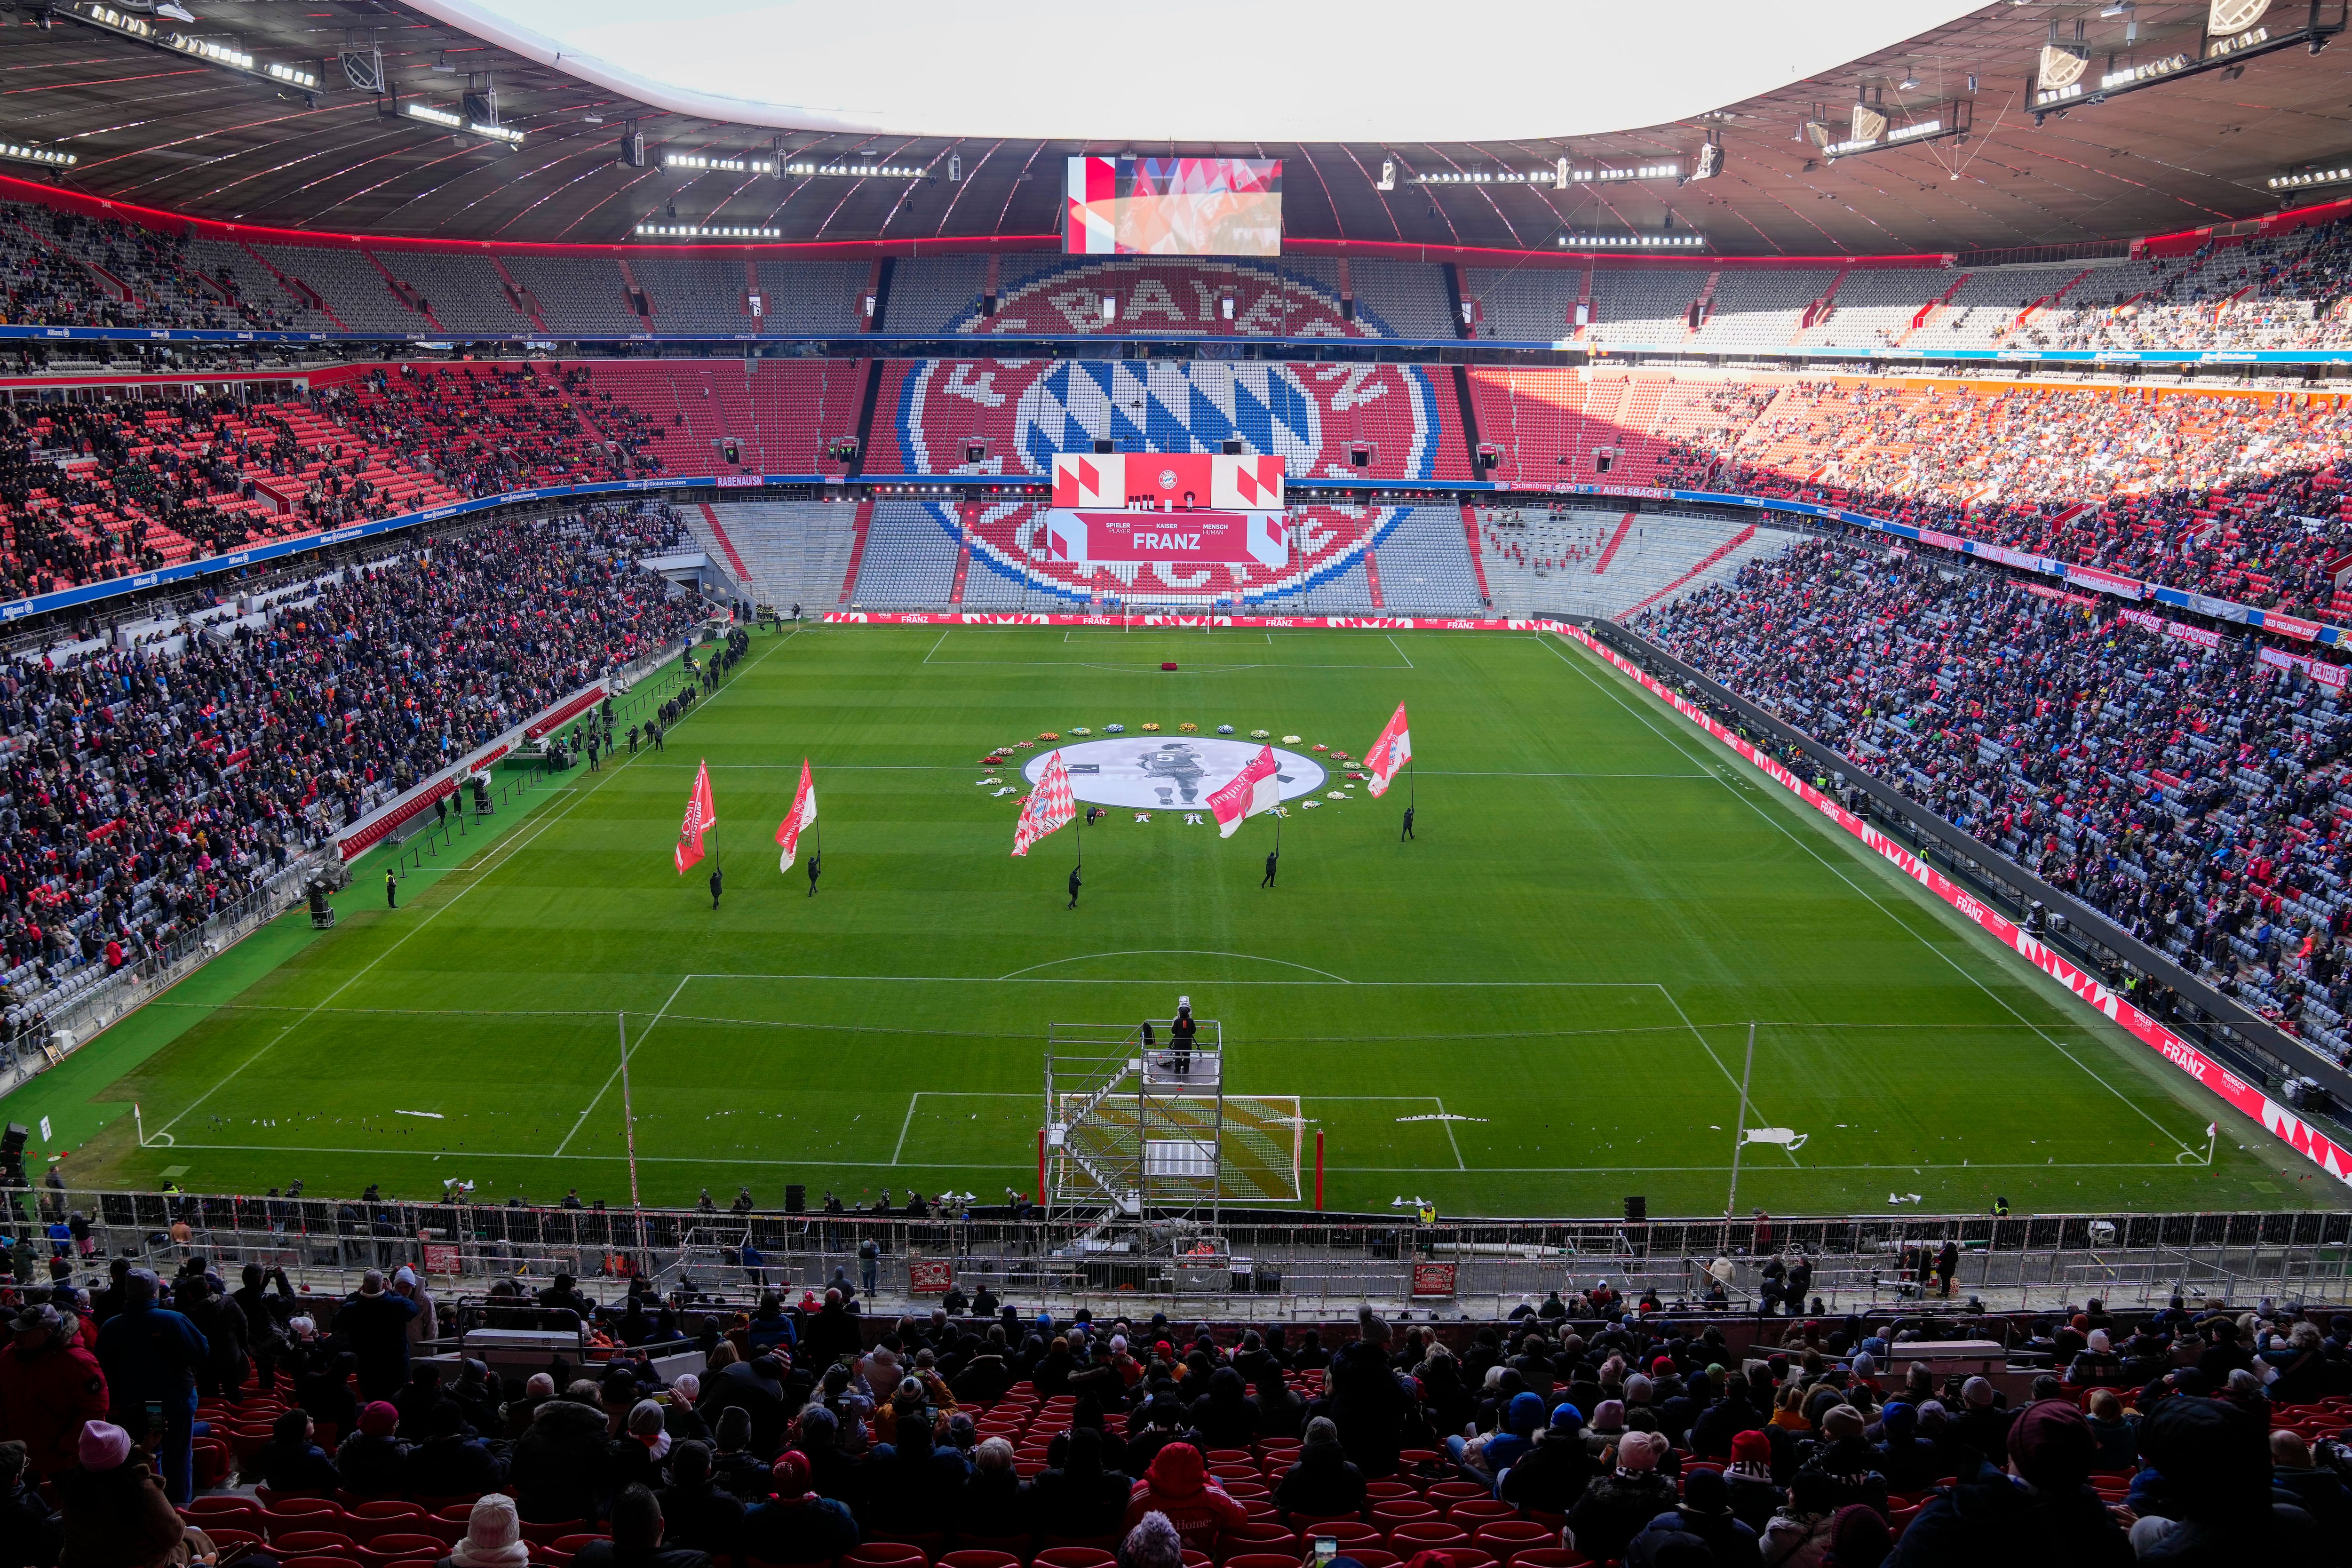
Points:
x=1174, y=206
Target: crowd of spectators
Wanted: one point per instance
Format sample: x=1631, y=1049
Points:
x=62, y=269
x=144, y=788
x=2195, y=793
x=2284, y=291
x=2180, y=1436
x=501, y=428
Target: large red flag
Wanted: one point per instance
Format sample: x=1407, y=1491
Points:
x=1252, y=790
x=804, y=812
x=1050, y=805
x=1390, y=753
x=701, y=816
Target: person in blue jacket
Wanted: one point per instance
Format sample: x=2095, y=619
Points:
x=150, y=1355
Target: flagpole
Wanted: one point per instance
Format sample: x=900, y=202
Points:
x=629, y=1127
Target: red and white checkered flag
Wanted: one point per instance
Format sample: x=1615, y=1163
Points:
x=1050, y=805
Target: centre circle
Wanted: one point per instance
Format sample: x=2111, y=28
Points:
x=1176, y=772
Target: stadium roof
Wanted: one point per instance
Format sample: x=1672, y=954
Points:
x=166, y=129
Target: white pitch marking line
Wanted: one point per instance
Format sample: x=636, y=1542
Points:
x=634, y=1046
x=1735, y=789
x=1459, y=1163
x=1392, y=643
x=499, y=856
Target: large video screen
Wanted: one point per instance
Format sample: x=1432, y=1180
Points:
x=1174, y=207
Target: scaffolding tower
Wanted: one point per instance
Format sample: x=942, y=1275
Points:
x=1134, y=1133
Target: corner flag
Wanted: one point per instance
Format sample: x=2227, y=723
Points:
x=804, y=812
x=1050, y=805
x=701, y=816
x=1390, y=753
x=1252, y=790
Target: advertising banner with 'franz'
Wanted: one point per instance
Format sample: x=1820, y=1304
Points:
x=1186, y=538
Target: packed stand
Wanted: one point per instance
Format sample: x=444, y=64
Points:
x=148, y=787
x=2194, y=794
x=1584, y=1429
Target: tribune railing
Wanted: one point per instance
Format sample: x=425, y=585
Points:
x=1281, y=1265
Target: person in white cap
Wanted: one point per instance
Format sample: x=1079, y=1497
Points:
x=1180, y=1034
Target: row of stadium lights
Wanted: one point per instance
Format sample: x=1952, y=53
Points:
x=1558, y=178
x=48, y=155
x=201, y=49
x=442, y=117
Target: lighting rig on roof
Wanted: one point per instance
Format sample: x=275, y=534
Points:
x=1870, y=129
x=2234, y=32
x=1559, y=176
x=47, y=157
x=718, y=162
x=704, y=231
x=476, y=114
x=858, y=171
x=214, y=51
x=2308, y=176
x=1676, y=239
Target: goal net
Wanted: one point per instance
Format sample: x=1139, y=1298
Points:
x=1258, y=1156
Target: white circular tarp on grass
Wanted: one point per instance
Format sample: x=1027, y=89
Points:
x=1174, y=772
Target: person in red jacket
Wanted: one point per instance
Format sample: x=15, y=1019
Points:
x=1177, y=1485
x=49, y=1385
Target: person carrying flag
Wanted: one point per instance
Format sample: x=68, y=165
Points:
x=1075, y=886
x=716, y=873
x=816, y=861
x=1273, y=859
x=1408, y=825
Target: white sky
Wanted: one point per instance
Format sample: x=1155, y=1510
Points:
x=1208, y=70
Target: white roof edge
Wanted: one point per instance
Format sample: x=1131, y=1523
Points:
x=534, y=46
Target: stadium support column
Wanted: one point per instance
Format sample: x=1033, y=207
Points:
x=884, y=271
x=1461, y=373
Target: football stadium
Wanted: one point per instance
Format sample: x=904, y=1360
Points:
x=656, y=912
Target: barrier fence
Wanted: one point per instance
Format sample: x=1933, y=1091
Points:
x=1286, y=1265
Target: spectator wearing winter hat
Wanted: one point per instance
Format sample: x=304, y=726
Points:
x=1754, y=1495
x=1847, y=1458
x=1859, y=1538
x=640, y=1455
x=2205, y=1466
x=1521, y=1420
x=1556, y=1470
x=1705, y=1516
x=115, y=1515
x=795, y=1525
x=493, y=1537
x=1324, y=1483
x=1983, y=1424
x=49, y=1385
x=1608, y=1424
x=2097, y=1364
x=1177, y=1485
x=373, y=1461
x=1615, y=1506
x=1908, y=1461
x=2039, y=1511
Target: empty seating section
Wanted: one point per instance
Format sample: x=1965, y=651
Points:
x=461, y=293
x=1876, y=305
x=797, y=551
x=1424, y=564
x=354, y=290
x=1643, y=305
x=803, y=299
x=1761, y=310
x=1583, y=562
x=696, y=294
x=1532, y=304
x=931, y=293
x=779, y=412
x=1407, y=298
x=1058, y=297
x=909, y=561
x=253, y=285
x=576, y=293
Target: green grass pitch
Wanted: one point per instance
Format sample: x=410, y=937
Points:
x=1567, y=960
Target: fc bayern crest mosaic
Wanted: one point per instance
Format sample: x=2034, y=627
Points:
x=1019, y=413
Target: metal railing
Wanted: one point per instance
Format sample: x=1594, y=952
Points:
x=1287, y=1266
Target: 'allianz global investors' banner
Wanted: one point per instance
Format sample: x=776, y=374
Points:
x=1182, y=538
